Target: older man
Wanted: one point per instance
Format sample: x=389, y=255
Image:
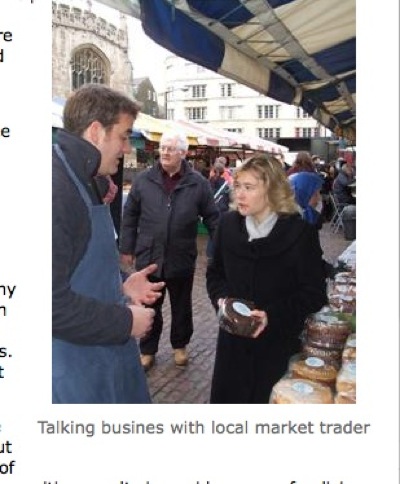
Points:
x=160, y=226
x=95, y=320
x=342, y=185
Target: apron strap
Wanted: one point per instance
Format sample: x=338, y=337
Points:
x=71, y=173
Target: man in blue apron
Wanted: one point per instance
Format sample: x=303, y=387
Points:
x=96, y=318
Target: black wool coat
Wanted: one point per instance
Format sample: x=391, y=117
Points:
x=283, y=274
x=162, y=228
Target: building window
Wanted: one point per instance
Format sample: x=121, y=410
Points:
x=235, y=130
x=317, y=132
x=269, y=133
x=303, y=132
x=196, y=114
x=268, y=111
x=227, y=89
x=171, y=114
x=198, y=91
x=229, y=112
x=88, y=67
x=301, y=114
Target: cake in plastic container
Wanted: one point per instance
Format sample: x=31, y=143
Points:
x=234, y=316
x=346, y=378
x=315, y=369
x=300, y=391
x=350, y=349
x=326, y=329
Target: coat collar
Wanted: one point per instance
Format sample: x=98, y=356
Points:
x=83, y=157
x=285, y=233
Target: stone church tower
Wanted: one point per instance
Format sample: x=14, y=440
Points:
x=87, y=48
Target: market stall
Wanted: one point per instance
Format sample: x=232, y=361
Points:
x=298, y=52
x=325, y=370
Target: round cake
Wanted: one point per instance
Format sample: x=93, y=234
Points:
x=346, y=379
x=315, y=369
x=300, y=391
x=326, y=330
x=235, y=317
x=346, y=398
x=331, y=356
x=350, y=349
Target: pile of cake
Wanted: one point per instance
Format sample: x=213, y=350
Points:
x=325, y=336
x=342, y=293
x=325, y=371
x=346, y=378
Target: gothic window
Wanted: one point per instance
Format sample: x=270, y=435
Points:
x=87, y=67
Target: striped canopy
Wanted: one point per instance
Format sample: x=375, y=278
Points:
x=300, y=52
x=152, y=128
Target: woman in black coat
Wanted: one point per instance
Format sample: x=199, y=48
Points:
x=266, y=253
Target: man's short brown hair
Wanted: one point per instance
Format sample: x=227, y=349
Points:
x=95, y=102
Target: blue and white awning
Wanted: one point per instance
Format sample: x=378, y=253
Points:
x=301, y=52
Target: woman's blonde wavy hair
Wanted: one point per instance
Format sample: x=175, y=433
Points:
x=279, y=193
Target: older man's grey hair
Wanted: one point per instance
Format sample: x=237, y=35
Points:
x=182, y=143
x=221, y=160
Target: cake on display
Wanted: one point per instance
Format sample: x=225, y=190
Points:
x=315, y=369
x=300, y=391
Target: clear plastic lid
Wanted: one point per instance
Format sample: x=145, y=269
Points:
x=300, y=391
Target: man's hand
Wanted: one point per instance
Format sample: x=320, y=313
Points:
x=140, y=289
x=142, y=320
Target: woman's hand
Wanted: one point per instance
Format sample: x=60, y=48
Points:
x=261, y=317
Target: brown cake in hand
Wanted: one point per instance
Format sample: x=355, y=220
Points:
x=235, y=318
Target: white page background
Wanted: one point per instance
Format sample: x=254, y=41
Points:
x=25, y=392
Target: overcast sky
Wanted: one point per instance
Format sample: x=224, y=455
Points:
x=147, y=57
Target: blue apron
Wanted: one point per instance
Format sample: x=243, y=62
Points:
x=101, y=373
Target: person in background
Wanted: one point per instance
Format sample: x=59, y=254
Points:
x=221, y=192
x=266, y=253
x=220, y=188
x=306, y=187
x=222, y=160
x=341, y=185
x=159, y=225
x=96, y=318
x=302, y=162
x=281, y=158
x=316, y=161
x=328, y=173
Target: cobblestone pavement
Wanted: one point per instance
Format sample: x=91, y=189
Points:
x=169, y=384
